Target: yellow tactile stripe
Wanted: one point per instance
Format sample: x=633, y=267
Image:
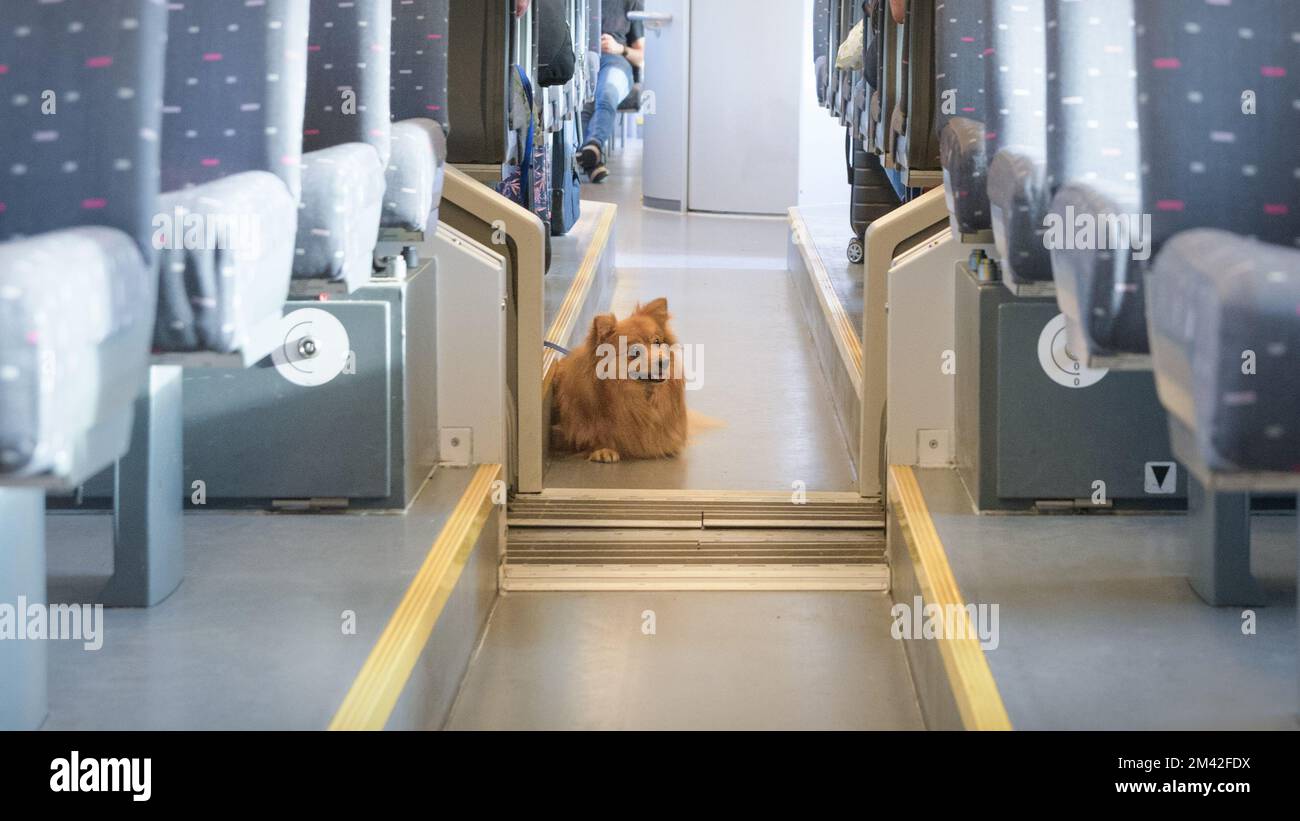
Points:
x=378, y=686
x=969, y=676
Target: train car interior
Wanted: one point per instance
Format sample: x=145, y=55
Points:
x=649, y=364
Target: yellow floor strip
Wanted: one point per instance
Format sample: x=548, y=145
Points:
x=846, y=338
x=969, y=676
x=561, y=330
x=378, y=686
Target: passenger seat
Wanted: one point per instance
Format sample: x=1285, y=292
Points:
x=236, y=83
x=1016, y=140
x=419, y=113
x=961, y=47
x=82, y=86
x=78, y=293
x=1224, y=294
x=347, y=141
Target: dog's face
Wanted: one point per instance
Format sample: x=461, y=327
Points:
x=639, y=349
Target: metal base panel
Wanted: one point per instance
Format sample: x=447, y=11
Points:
x=1036, y=428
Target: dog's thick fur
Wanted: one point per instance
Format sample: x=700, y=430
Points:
x=606, y=418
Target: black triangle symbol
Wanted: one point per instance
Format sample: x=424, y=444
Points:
x=1160, y=472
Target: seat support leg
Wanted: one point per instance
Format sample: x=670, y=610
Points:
x=1220, y=533
x=23, y=662
x=148, y=501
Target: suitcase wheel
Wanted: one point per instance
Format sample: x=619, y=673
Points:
x=856, y=252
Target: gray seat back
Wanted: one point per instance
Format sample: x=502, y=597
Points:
x=821, y=46
x=419, y=66
x=1217, y=90
x=348, y=64
x=83, y=92
x=1016, y=76
x=961, y=51
x=961, y=38
x=235, y=90
x=1092, y=133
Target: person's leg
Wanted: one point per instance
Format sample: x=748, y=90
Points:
x=612, y=87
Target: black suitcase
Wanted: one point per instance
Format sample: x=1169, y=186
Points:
x=873, y=195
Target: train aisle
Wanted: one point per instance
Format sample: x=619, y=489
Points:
x=734, y=303
x=703, y=659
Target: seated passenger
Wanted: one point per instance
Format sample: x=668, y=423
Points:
x=622, y=45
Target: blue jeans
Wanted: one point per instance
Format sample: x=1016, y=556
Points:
x=613, y=84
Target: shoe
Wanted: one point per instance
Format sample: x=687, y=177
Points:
x=598, y=174
x=589, y=157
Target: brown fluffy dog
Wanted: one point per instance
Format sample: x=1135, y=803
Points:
x=621, y=392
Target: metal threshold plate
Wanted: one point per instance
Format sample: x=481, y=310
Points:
x=780, y=510
x=586, y=558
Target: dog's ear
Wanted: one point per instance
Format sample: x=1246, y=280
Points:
x=657, y=310
x=602, y=328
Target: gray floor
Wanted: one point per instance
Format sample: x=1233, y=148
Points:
x=715, y=661
x=253, y=638
x=1100, y=630
x=830, y=230
x=730, y=294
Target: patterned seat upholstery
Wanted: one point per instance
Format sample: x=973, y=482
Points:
x=231, y=156
x=1016, y=138
x=961, y=44
x=1225, y=322
x=821, y=47
x=82, y=88
x=347, y=140
x=1223, y=298
x=419, y=113
x=1093, y=166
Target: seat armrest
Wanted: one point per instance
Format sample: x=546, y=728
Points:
x=338, y=218
x=225, y=255
x=413, y=181
x=1018, y=204
x=77, y=311
x=965, y=175
x=1099, y=289
x=1225, y=331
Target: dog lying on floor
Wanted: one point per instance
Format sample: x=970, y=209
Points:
x=622, y=392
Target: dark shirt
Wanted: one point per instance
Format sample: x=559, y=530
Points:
x=614, y=20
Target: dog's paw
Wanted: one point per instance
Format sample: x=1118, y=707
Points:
x=606, y=455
